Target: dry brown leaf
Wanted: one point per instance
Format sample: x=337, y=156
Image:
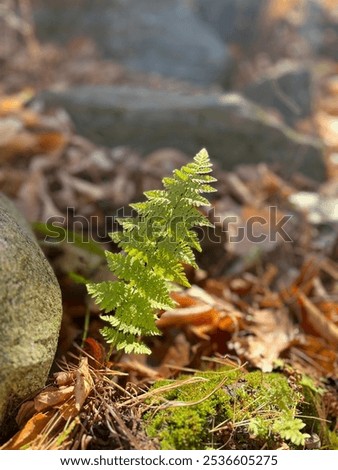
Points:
x=63, y=403
x=271, y=333
x=304, y=281
x=64, y=378
x=312, y=355
x=31, y=431
x=24, y=144
x=83, y=386
x=201, y=312
x=15, y=103
x=201, y=295
x=84, y=383
x=183, y=300
x=52, y=396
x=96, y=353
x=330, y=310
x=215, y=287
x=318, y=321
x=196, y=315
x=50, y=142
x=25, y=413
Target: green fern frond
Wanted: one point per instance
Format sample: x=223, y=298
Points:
x=127, y=342
x=289, y=428
x=154, y=245
x=109, y=294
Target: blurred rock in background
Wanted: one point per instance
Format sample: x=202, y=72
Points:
x=233, y=129
x=285, y=87
x=155, y=36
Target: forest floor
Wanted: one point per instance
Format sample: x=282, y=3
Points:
x=248, y=359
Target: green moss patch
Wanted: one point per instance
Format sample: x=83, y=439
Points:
x=227, y=409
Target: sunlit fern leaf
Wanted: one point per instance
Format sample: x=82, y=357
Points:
x=154, y=245
x=289, y=428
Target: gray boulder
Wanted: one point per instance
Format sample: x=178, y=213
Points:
x=154, y=36
x=286, y=87
x=233, y=129
x=31, y=310
x=235, y=21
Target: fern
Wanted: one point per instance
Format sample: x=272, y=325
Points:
x=154, y=245
x=286, y=426
x=289, y=429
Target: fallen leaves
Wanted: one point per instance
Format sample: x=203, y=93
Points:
x=258, y=318
x=23, y=133
x=33, y=428
x=270, y=333
x=52, y=397
x=52, y=408
x=15, y=103
x=201, y=312
x=318, y=321
x=47, y=168
x=313, y=356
